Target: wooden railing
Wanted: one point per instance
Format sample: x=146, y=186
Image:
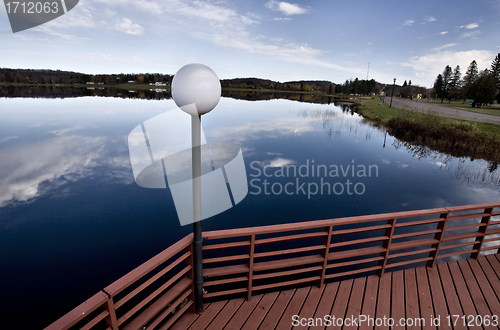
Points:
x=156, y=293
x=331, y=249
x=248, y=260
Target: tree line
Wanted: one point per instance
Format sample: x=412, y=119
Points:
x=58, y=77
x=483, y=87
x=32, y=76
x=358, y=87
x=49, y=77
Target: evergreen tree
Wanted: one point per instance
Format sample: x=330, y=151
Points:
x=409, y=83
x=483, y=90
x=471, y=75
x=456, y=85
x=447, y=76
x=438, y=86
x=405, y=84
x=495, y=70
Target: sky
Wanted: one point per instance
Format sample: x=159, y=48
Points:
x=283, y=41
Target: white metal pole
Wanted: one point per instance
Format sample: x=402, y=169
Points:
x=197, y=239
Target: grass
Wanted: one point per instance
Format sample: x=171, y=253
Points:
x=459, y=138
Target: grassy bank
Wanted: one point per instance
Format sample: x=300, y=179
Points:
x=459, y=138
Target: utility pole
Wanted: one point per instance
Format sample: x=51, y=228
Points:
x=393, y=85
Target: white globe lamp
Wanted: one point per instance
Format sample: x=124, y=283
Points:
x=196, y=89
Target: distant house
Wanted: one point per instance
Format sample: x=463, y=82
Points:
x=90, y=82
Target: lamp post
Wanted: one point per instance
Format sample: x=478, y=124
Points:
x=394, y=84
x=196, y=90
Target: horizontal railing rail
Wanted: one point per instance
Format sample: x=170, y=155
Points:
x=248, y=260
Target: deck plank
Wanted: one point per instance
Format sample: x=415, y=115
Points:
x=474, y=290
x=411, y=298
x=341, y=301
x=293, y=308
x=488, y=293
x=450, y=294
x=490, y=275
x=425, y=298
x=355, y=302
x=468, y=307
x=438, y=299
x=398, y=297
x=243, y=313
x=325, y=304
x=226, y=314
x=273, y=317
x=384, y=300
x=495, y=264
x=309, y=307
x=260, y=311
x=187, y=319
x=370, y=300
x=208, y=315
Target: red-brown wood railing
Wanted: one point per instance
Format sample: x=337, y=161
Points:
x=148, y=295
x=247, y=260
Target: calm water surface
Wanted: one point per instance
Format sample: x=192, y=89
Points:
x=72, y=219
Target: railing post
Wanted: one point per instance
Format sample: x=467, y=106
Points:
x=111, y=320
x=483, y=229
x=387, y=245
x=441, y=226
x=325, y=253
x=250, y=266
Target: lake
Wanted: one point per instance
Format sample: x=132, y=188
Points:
x=73, y=220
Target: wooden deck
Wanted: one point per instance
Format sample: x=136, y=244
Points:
x=466, y=288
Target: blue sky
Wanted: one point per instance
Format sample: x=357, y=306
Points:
x=320, y=39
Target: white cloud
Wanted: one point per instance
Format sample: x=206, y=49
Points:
x=8, y=138
x=64, y=131
x=283, y=51
x=472, y=26
x=444, y=46
x=126, y=26
x=78, y=17
x=442, y=33
x=281, y=162
x=408, y=22
x=433, y=64
x=286, y=8
x=429, y=19
x=46, y=30
x=472, y=34
x=282, y=19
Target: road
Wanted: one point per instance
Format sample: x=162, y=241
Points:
x=424, y=106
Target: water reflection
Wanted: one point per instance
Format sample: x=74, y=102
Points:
x=58, y=91
x=472, y=172
x=46, y=167
x=61, y=92
x=333, y=121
